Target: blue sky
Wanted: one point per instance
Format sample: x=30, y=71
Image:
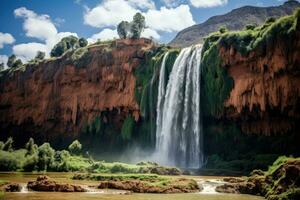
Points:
x=27, y=26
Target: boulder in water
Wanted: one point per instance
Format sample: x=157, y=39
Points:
x=12, y=187
x=44, y=183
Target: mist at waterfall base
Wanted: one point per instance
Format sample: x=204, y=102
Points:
x=178, y=121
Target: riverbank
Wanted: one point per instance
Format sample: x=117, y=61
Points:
x=94, y=193
x=280, y=182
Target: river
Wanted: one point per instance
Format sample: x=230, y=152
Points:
x=207, y=194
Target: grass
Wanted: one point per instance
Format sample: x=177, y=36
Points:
x=122, y=177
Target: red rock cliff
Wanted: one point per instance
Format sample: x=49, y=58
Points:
x=266, y=93
x=57, y=97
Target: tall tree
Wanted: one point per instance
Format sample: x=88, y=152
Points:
x=137, y=25
x=11, y=60
x=123, y=29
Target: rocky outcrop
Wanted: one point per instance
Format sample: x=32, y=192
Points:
x=57, y=97
x=237, y=19
x=11, y=187
x=45, y=184
x=180, y=186
x=282, y=181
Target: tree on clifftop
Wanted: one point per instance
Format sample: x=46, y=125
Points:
x=40, y=55
x=13, y=62
x=1, y=66
x=137, y=25
x=82, y=42
x=122, y=29
x=133, y=29
x=70, y=42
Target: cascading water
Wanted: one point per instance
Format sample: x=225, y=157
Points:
x=178, y=125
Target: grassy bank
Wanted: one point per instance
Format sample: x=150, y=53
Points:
x=45, y=158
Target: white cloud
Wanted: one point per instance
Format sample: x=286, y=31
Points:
x=172, y=3
x=37, y=26
x=28, y=51
x=208, y=3
x=169, y=19
x=6, y=38
x=105, y=34
x=3, y=59
x=40, y=27
x=143, y=4
x=109, y=13
x=147, y=33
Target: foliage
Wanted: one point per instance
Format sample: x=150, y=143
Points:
x=123, y=28
x=250, y=26
x=69, y=42
x=82, y=42
x=223, y=29
x=75, y=147
x=133, y=29
x=1, y=145
x=31, y=147
x=40, y=55
x=13, y=62
x=45, y=156
x=8, y=145
x=11, y=161
x=216, y=84
x=127, y=128
x=1, y=66
x=137, y=25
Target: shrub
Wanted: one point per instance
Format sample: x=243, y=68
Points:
x=8, y=145
x=1, y=145
x=31, y=147
x=45, y=156
x=82, y=42
x=250, y=27
x=70, y=42
x=75, y=147
x=11, y=161
x=40, y=55
x=223, y=29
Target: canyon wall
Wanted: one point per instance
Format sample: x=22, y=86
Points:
x=56, y=98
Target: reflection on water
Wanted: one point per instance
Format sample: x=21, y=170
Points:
x=90, y=196
x=208, y=194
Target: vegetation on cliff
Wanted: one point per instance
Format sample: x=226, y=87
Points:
x=146, y=88
x=216, y=83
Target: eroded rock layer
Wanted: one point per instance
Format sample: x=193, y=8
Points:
x=58, y=97
x=266, y=93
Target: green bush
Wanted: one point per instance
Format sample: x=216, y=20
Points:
x=75, y=147
x=1, y=145
x=11, y=161
x=45, y=156
x=31, y=147
x=8, y=145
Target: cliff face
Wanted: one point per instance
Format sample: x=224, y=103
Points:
x=60, y=97
x=266, y=94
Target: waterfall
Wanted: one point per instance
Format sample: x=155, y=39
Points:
x=178, y=124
